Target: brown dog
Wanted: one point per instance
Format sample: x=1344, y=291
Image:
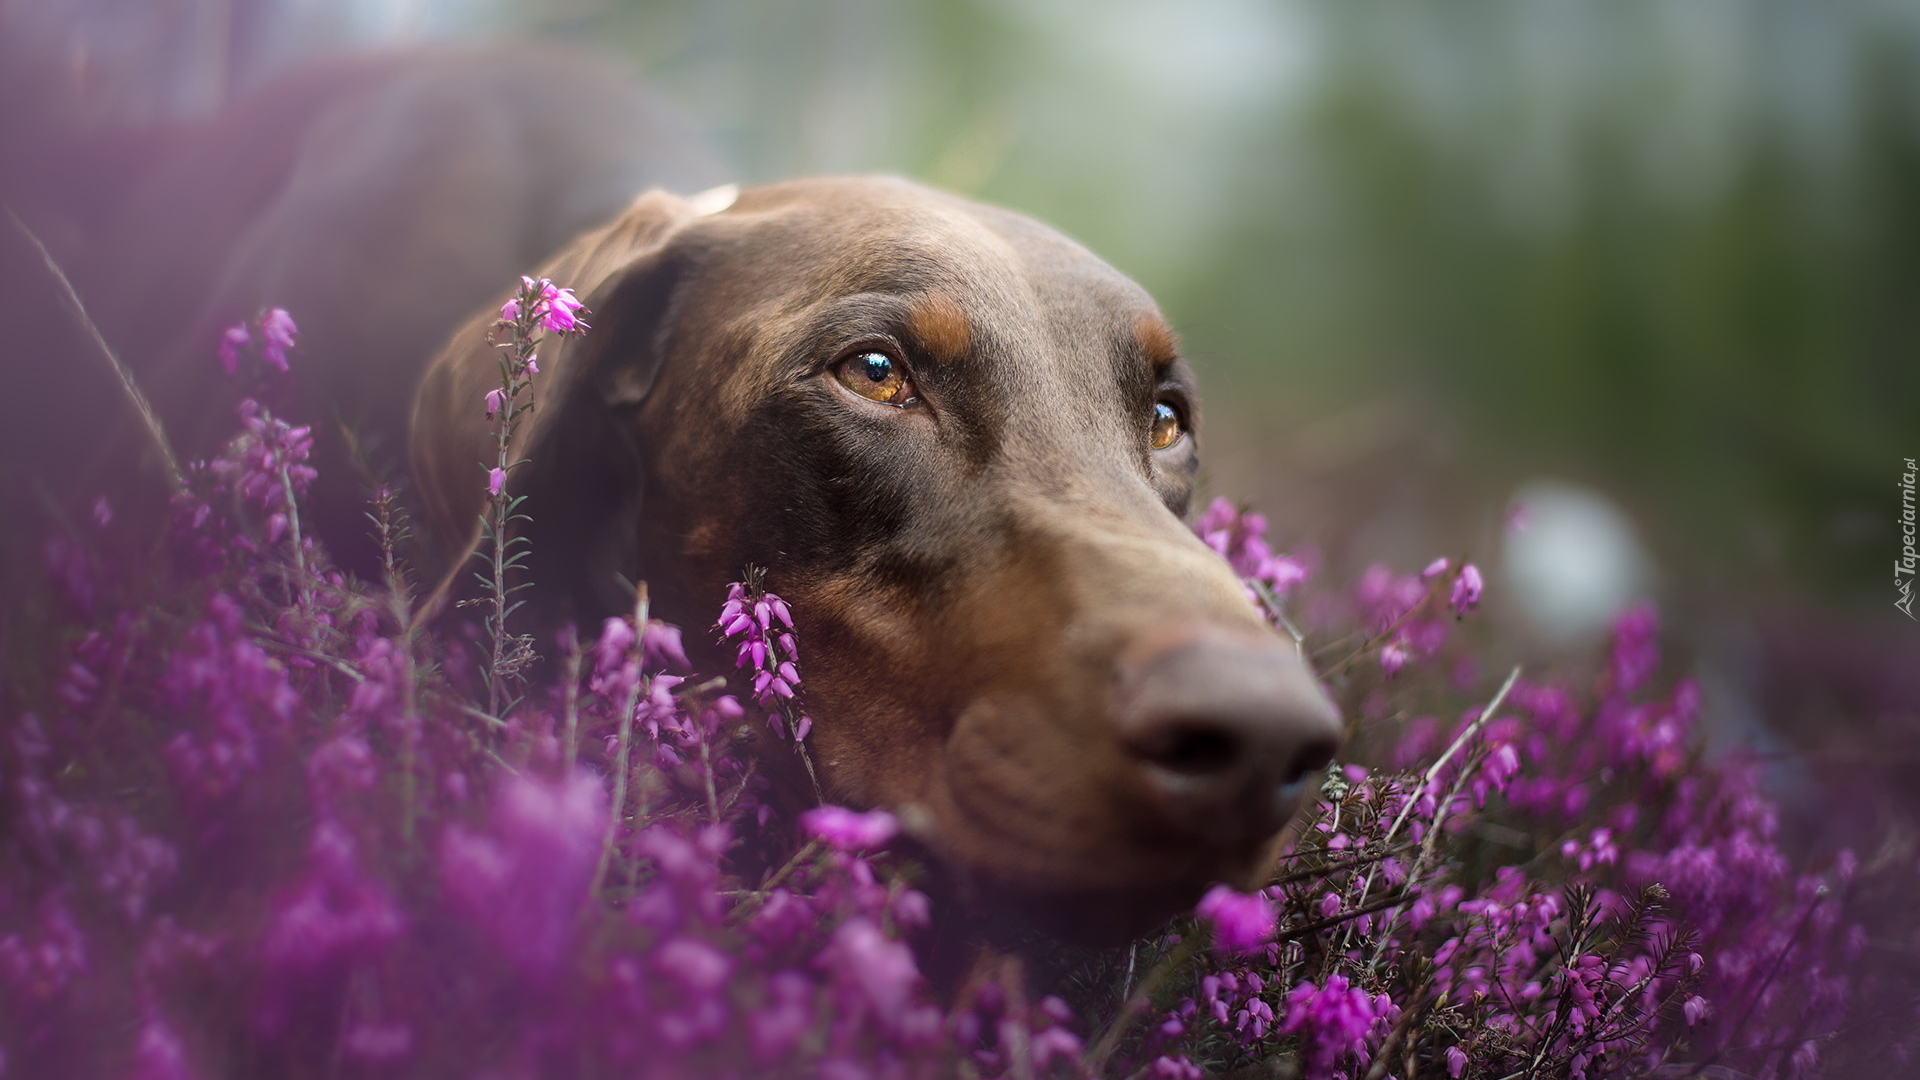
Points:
x=962, y=445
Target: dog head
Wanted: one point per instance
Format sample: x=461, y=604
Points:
x=962, y=445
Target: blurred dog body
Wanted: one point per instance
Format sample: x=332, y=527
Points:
x=379, y=199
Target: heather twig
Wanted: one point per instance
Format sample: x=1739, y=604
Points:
x=149, y=419
x=536, y=308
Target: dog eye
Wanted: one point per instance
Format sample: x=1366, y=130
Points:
x=876, y=376
x=1167, y=428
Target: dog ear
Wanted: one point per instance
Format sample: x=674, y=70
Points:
x=583, y=473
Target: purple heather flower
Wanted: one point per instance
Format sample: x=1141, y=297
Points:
x=342, y=764
x=1053, y=1044
x=43, y=968
x=525, y=881
x=563, y=310
x=773, y=1029
x=102, y=512
x=496, y=481
x=848, y=830
x=1456, y=1061
x=1241, y=922
x=277, y=333
x=334, y=916
x=699, y=969
x=496, y=402
x=1435, y=568
x=872, y=972
x=1636, y=651
x=1332, y=1021
x=663, y=649
x=616, y=637
x=378, y=1043
x=160, y=1053
x=553, y=308
x=1519, y=518
x=1240, y=538
x=1174, y=1068
x=1466, y=589
x=233, y=339
x=1393, y=656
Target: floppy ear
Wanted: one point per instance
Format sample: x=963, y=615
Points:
x=583, y=475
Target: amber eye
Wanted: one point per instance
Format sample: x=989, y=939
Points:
x=877, y=376
x=1167, y=428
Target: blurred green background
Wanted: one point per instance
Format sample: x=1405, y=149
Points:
x=1422, y=254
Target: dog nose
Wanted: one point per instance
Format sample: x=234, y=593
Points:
x=1225, y=733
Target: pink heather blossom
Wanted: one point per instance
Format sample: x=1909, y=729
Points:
x=774, y=1029
x=523, y=882
x=102, y=512
x=1466, y=589
x=277, y=333
x=1456, y=1061
x=335, y=916
x=874, y=973
x=1240, y=538
x=553, y=308
x=1435, y=568
x=378, y=1043
x=1174, y=1068
x=496, y=481
x=1519, y=518
x=763, y=624
x=698, y=968
x=1636, y=654
x=268, y=453
x=496, y=402
x=563, y=310
x=1393, y=656
x=160, y=1053
x=233, y=339
x=1332, y=1021
x=1241, y=921
x=849, y=830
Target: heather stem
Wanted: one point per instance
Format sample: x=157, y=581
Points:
x=176, y=477
x=572, y=706
x=1142, y=1000
x=293, y=533
x=624, y=743
x=1413, y=797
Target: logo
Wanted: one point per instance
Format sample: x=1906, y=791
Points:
x=1903, y=567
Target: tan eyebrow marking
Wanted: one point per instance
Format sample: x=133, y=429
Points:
x=941, y=326
x=1156, y=340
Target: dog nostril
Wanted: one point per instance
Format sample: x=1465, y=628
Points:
x=1193, y=750
x=1226, y=736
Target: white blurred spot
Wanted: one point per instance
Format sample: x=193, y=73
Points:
x=714, y=199
x=1576, y=562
